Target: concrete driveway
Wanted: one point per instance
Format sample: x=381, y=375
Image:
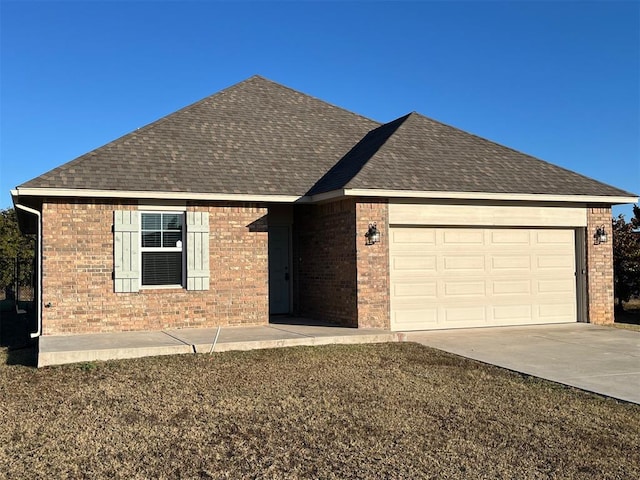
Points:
x=603, y=360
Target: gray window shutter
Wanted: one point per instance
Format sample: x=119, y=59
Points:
x=126, y=258
x=197, y=250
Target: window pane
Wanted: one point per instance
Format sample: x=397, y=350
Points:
x=172, y=221
x=161, y=268
x=151, y=239
x=169, y=239
x=151, y=221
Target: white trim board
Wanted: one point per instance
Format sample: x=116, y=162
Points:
x=82, y=193
x=322, y=197
x=526, y=197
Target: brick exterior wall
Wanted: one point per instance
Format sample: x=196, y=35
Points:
x=325, y=262
x=339, y=278
x=78, y=265
x=373, y=266
x=600, y=296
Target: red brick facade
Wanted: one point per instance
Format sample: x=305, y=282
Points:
x=325, y=262
x=78, y=265
x=373, y=266
x=600, y=299
x=337, y=277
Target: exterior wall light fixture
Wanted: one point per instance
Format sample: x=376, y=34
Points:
x=600, y=236
x=373, y=234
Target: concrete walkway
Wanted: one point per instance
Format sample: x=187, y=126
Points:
x=56, y=350
x=603, y=360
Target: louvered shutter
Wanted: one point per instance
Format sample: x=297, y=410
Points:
x=197, y=250
x=126, y=258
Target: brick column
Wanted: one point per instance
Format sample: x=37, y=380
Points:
x=599, y=267
x=373, y=266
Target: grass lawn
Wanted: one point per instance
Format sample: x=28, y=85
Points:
x=363, y=411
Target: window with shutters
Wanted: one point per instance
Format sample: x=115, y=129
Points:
x=161, y=241
x=157, y=249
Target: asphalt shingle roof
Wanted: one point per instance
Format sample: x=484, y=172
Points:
x=417, y=153
x=259, y=137
x=256, y=137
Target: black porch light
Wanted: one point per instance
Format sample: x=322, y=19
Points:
x=373, y=234
x=600, y=236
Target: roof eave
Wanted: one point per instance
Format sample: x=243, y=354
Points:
x=151, y=195
x=321, y=197
x=523, y=197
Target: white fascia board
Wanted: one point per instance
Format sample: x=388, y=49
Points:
x=523, y=197
x=322, y=197
x=87, y=193
x=332, y=195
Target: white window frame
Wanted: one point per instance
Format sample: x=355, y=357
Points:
x=182, y=249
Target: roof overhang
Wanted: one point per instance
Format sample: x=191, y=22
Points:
x=322, y=197
x=141, y=194
x=521, y=197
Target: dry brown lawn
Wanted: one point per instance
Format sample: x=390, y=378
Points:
x=364, y=411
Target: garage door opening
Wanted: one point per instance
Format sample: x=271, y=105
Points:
x=456, y=277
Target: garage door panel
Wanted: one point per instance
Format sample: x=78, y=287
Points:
x=465, y=289
x=510, y=237
x=423, y=290
x=557, y=287
x=559, y=312
x=463, y=237
x=416, y=318
x=415, y=263
x=414, y=235
x=510, y=262
x=555, y=262
x=511, y=287
x=474, y=263
x=466, y=277
x=465, y=314
x=512, y=313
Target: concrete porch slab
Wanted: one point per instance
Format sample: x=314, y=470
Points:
x=56, y=350
x=60, y=349
x=276, y=336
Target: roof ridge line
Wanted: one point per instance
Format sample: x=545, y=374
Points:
x=352, y=162
x=401, y=122
x=299, y=92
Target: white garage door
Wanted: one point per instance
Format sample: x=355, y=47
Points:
x=472, y=277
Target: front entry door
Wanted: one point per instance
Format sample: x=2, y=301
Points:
x=279, y=274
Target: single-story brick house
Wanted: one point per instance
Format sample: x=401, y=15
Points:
x=260, y=201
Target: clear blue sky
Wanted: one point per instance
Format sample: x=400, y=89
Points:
x=558, y=80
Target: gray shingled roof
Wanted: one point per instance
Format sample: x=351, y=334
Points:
x=259, y=137
x=417, y=153
x=256, y=137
